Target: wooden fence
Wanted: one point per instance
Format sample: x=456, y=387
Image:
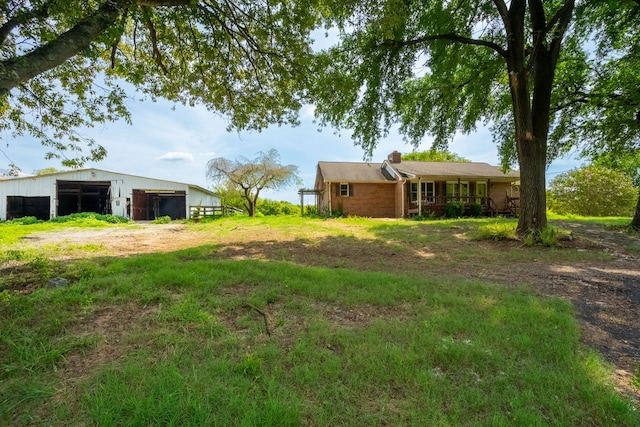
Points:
x=199, y=212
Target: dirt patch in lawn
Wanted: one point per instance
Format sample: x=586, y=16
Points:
x=605, y=293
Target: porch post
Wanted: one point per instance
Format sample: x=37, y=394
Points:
x=419, y=195
x=330, y=194
x=301, y=202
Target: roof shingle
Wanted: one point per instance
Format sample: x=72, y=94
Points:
x=352, y=172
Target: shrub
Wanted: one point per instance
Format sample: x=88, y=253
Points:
x=592, y=191
x=26, y=220
x=162, y=220
x=453, y=209
x=475, y=209
x=548, y=236
x=79, y=217
x=271, y=207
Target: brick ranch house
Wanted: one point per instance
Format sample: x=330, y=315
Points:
x=398, y=189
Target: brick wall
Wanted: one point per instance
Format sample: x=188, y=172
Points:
x=370, y=200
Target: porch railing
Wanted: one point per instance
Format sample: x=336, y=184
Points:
x=443, y=200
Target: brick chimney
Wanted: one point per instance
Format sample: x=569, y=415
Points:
x=395, y=157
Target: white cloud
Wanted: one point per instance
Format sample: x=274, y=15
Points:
x=176, y=156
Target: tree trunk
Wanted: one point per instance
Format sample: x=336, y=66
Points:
x=533, y=201
x=531, y=144
x=531, y=83
x=635, y=223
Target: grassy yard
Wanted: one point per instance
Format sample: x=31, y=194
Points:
x=262, y=322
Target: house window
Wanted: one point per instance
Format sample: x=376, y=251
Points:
x=427, y=191
x=344, y=190
x=457, y=189
x=414, y=191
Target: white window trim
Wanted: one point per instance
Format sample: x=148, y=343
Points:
x=424, y=192
x=342, y=186
x=459, y=184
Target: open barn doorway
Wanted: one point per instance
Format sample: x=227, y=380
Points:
x=83, y=196
x=19, y=207
x=152, y=204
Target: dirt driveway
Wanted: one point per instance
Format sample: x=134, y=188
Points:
x=605, y=294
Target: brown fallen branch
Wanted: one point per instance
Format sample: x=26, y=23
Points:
x=264, y=317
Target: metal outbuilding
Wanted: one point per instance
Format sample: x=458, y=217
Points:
x=100, y=191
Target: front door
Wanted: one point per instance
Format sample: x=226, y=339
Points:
x=481, y=192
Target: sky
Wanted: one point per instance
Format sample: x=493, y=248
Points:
x=175, y=142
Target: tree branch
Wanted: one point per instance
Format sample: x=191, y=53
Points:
x=54, y=53
x=153, y=36
x=447, y=37
x=21, y=17
x=21, y=69
x=504, y=13
x=561, y=22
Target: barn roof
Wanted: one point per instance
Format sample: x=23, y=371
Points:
x=62, y=174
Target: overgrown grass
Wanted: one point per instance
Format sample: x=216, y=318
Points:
x=180, y=339
x=610, y=221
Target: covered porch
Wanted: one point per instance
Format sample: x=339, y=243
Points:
x=477, y=197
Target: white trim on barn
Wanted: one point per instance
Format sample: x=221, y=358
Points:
x=96, y=190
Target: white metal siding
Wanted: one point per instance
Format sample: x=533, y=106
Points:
x=122, y=186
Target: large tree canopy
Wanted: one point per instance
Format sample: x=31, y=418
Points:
x=605, y=110
x=241, y=58
x=441, y=67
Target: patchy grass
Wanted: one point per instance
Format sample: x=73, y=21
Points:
x=12, y=231
x=207, y=336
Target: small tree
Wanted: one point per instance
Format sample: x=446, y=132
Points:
x=250, y=177
x=230, y=196
x=593, y=191
x=46, y=171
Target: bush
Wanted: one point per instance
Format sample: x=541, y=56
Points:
x=548, y=236
x=271, y=207
x=26, y=220
x=453, y=209
x=592, y=191
x=112, y=219
x=475, y=209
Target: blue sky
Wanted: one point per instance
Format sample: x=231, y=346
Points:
x=175, y=142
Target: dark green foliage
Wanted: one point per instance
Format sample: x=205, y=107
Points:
x=112, y=219
x=453, y=209
x=475, y=209
x=63, y=63
x=26, y=220
x=592, y=191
